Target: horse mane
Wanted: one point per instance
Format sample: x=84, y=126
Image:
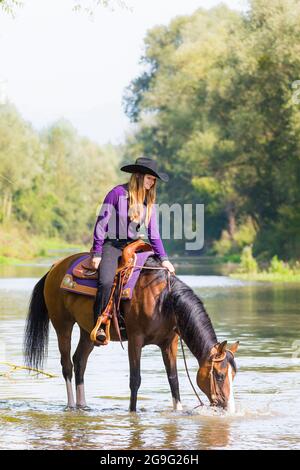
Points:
x=192, y=319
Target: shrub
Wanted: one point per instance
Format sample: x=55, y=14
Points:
x=279, y=267
x=248, y=262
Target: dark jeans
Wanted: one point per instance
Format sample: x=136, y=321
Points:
x=111, y=251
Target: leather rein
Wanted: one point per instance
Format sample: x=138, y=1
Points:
x=179, y=334
x=213, y=388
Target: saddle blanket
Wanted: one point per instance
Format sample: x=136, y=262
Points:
x=77, y=285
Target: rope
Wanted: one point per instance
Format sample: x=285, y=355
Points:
x=183, y=354
x=181, y=342
x=187, y=373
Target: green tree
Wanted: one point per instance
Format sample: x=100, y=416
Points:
x=213, y=105
x=20, y=158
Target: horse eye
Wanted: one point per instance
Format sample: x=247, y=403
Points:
x=220, y=377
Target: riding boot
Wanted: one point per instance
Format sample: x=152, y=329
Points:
x=106, y=273
x=101, y=336
x=97, y=304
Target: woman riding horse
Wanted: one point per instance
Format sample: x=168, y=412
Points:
x=161, y=308
x=125, y=208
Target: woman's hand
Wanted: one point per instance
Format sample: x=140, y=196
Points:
x=95, y=261
x=169, y=265
x=92, y=263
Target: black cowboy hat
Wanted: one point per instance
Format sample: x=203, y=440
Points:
x=145, y=165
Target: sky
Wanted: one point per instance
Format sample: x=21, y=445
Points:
x=57, y=63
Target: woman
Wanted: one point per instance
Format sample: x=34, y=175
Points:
x=125, y=208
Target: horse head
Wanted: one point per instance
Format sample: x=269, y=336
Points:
x=215, y=375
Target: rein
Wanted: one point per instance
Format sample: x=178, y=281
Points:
x=156, y=267
x=180, y=337
x=187, y=373
x=213, y=388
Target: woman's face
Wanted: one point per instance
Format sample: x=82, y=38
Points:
x=149, y=181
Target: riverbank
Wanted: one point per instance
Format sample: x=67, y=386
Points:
x=18, y=246
x=266, y=276
x=277, y=270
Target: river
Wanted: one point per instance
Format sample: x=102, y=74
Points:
x=264, y=317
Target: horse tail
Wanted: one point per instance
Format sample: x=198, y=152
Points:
x=37, y=327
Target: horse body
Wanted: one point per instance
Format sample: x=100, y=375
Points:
x=152, y=316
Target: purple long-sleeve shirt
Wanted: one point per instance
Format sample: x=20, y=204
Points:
x=114, y=222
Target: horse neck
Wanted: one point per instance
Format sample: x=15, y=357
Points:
x=196, y=329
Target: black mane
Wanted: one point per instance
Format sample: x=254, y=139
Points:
x=192, y=319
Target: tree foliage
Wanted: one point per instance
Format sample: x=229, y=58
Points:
x=53, y=182
x=214, y=106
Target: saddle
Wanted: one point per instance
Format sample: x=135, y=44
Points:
x=123, y=273
x=83, y=271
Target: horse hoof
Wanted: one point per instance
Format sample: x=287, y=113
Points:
x=83, y=408
x=70, y=408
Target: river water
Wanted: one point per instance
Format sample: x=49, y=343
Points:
x=265, y=318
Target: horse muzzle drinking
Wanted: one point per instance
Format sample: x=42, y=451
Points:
x=215, y=376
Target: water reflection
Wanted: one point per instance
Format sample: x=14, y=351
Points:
x=213, y=434
x=135, y=440
x=263, y=316
x=171, y=434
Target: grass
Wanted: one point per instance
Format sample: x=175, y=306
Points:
x=17, y=245
x=44, y=245
x=266, y=276
x=8, y=260
x=278, y=270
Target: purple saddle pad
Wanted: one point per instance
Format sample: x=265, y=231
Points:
x=89, y=286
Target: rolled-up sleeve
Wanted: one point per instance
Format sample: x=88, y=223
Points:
x=101, y=225
x=154, y=235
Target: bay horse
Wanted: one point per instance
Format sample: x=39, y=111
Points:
x=154, y=315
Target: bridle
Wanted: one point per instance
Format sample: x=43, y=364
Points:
x=212, y=380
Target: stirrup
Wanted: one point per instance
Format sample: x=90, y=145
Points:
x=101, y=336
x=94, y=333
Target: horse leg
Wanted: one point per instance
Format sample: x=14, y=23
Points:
x=64, y=344
x=169, y=353
x=80, y=357
x=134, y=353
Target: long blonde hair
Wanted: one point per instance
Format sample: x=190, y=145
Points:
x=137, y=195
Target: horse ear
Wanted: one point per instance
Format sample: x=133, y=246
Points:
x=221, y=348
x=234, y=347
